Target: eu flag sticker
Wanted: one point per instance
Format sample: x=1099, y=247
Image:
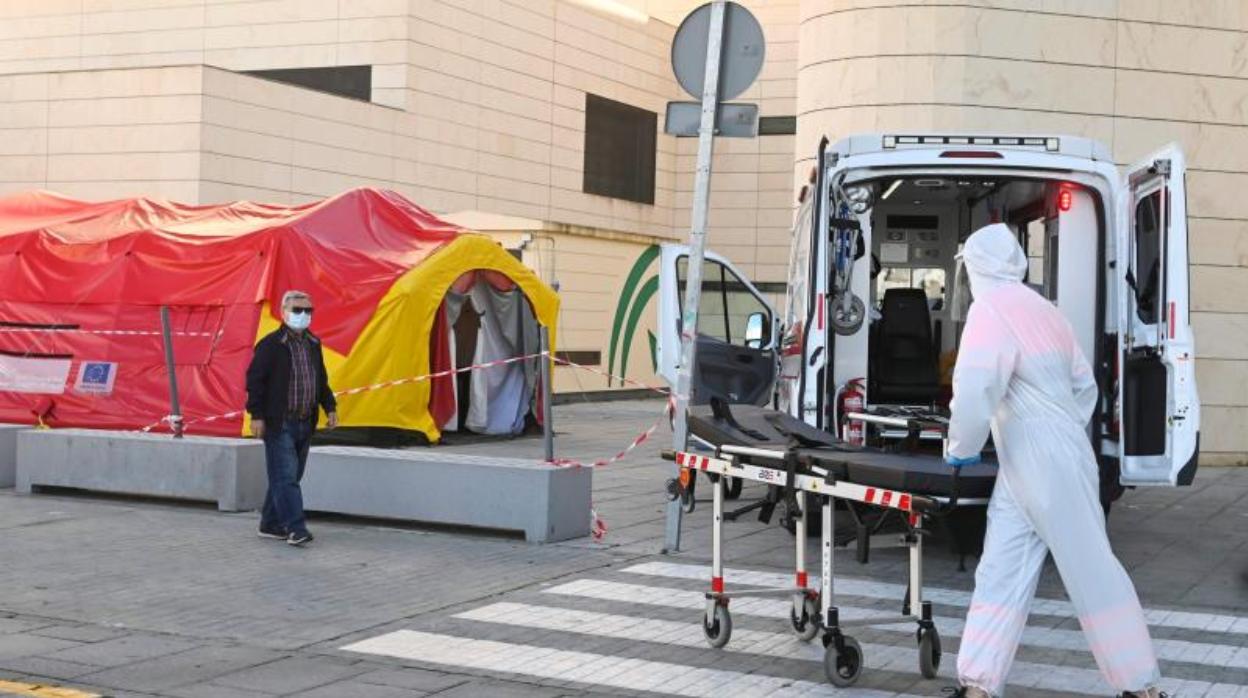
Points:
x=96, y=377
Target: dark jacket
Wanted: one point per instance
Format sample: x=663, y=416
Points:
x=268, y=378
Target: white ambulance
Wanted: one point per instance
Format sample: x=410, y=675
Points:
x=881, y=328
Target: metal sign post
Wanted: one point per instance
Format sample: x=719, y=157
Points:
x=728, y=26
x=548, y=427
x=175, y=414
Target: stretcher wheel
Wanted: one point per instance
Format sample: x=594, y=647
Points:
x=843, y=667
x=929, y=653
x=718, y=627
x=806, y=627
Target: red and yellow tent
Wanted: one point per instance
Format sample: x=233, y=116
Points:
x=82, y=284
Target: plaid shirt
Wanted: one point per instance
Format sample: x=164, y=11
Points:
x=302, y=397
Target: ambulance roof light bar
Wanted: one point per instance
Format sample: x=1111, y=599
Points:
x=1048, y=143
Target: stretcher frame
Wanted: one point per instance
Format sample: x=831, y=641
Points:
x=814, y=611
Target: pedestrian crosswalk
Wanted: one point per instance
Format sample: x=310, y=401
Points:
x=660, y=604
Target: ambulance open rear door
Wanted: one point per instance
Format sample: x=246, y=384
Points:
x=1158, y=407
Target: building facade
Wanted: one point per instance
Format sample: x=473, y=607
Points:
x=540, y=122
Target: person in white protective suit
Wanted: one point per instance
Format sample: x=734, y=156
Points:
x=1021, y=374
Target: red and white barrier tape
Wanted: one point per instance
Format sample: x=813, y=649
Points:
x=598, y=528
x=625, y=381
x=362, y=389
x=637, y=441
x=109, y=333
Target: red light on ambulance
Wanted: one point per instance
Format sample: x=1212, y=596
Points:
x=1064, y=200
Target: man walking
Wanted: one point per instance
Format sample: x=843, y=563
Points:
x=286, y=384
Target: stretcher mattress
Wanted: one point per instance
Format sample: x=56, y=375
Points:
x=760, y=428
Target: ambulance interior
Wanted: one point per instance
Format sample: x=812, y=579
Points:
x=918, y=301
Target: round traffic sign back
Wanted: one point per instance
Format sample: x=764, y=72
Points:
x=741, y=57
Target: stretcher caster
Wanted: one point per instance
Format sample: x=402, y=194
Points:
x=718, y=627
x=807, y=626
x=843, y=664
x=929, y=652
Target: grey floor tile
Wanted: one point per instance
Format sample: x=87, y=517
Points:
x=26, y=645
x=81, y=633
x=200, y=664
x=352, y=687
x=418, y=679
x=124, y=650
x=290, y=675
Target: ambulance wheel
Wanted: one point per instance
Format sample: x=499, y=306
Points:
x=718, y=627
x=929, y=653
x=843, y=667
x=806, y=627
x=814, y=516
x=732, y=485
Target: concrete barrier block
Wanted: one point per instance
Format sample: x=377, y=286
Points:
x=546, y=502
x=8, y=453
x=229, y=472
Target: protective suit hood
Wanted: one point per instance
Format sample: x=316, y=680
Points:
x=993, y=257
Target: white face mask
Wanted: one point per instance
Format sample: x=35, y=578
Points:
x=297, y=321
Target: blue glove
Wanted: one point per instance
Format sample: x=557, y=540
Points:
x=959, y=462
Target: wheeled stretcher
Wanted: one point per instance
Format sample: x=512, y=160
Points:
x=756, y=444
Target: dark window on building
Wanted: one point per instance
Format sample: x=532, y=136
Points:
x=777, y=125
x=584, y=358
x=619, y=150
x=353, y=81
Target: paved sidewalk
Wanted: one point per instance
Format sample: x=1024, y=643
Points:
x=138, y=598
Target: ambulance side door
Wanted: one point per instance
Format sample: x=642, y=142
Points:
x=737, y=331
x=1158, y=406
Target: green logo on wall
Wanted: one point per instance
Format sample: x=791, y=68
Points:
x=632, y=303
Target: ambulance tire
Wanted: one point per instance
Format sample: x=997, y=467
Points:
x=733, y=488
x=814, y=522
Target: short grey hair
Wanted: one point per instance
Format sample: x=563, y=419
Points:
x=292, y=296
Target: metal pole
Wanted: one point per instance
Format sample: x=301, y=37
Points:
x=175, y=414
x=548, y=427
x=697, y=248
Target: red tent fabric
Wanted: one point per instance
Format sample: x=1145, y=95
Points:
x=74, y=274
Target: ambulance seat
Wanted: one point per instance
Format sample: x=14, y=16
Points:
x=905, y=369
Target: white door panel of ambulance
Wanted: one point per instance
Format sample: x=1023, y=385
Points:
x=736, y=355
x=1158, y=407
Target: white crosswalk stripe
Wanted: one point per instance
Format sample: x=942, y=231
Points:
x=695, y=601
x=785, y=646
x=1211, y=654
x=594, y=669
x=631, y=619
x=1160, y=618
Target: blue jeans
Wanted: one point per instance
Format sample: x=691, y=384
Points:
x=285, y=455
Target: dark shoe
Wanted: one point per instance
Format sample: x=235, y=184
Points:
x=965, y=692
x=275, y=533
x=298, y=539
x=1150, y=693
